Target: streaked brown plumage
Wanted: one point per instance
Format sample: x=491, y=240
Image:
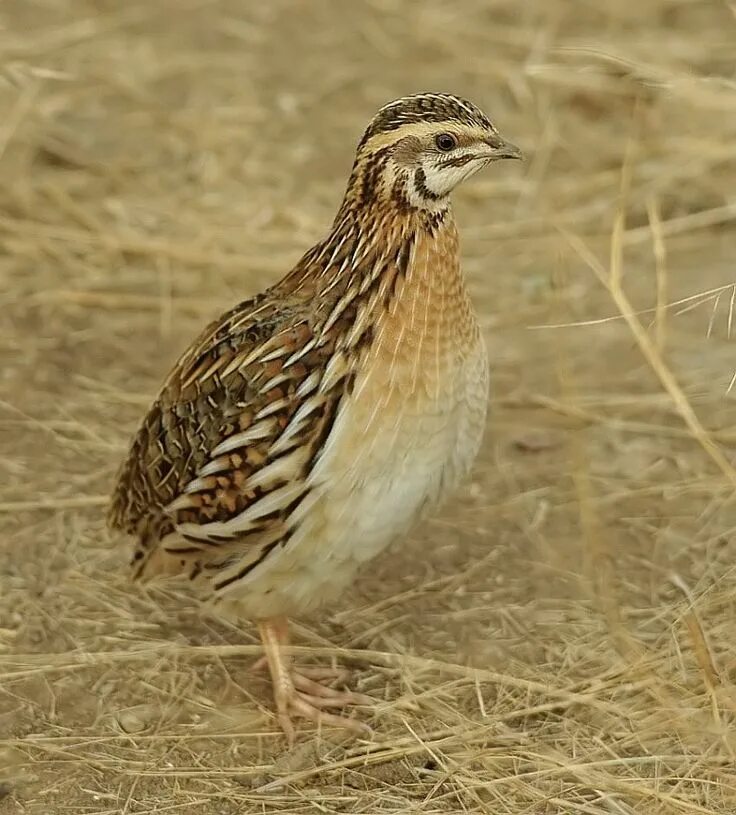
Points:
x=309, y=426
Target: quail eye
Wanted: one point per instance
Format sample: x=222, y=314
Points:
x=445, y=141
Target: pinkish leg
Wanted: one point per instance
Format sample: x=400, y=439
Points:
x=296, y=693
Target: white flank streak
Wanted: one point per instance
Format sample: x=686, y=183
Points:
x=309, y=384
x=303, y=411
x=285, y=467
x=360, y=323
x=273, y=407
x=337, y=311
x=232, y=367
x=181, y=502
x=245, y=520
x=370, y=278
x=334, y=254
x=248, y=317
x=202, y=483
x=245, y=361
x=284, y=441
x=355, y=256
x=214, y=467
x=412, y=260
x=334, y=371
x=304, y=508
x=212, y=370
x=335, y=280
x=364, y=253
x=297, y=355
x=337, y=249
x=335, y=434
x=273, y=381
x=423, y=329
x=393, y=303
x=203, y=531
x=295, y=425
x=253, y=433
x=337, y=274
x=325, y=246
x=382, y=288
x=279, y=352
x=271, y=502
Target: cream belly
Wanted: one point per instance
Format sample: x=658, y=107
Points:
x=415, y=457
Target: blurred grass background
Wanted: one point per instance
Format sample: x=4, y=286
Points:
x=560, y=638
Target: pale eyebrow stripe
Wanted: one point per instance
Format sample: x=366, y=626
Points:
x=417, y=129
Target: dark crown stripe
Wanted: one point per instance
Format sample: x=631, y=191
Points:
x=428, y=107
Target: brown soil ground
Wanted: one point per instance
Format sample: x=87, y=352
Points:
x=559, y=639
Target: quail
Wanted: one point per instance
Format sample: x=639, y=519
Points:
x=310, y=426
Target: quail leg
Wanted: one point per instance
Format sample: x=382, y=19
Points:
x=296, y=693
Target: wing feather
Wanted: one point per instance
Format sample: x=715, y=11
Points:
x=222, y=453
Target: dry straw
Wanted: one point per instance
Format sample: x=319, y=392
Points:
x=560, y=639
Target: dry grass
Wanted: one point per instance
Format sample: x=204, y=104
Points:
x=560, y=640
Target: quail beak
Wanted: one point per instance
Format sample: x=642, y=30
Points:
x=500, y=148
